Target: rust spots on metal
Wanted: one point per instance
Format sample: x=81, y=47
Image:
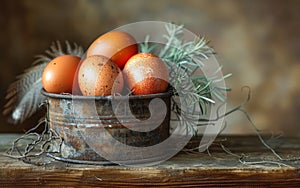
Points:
x=69, y=125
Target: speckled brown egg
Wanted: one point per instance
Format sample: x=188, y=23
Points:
x=145, y=73
x=99, y=76
x=59, y=76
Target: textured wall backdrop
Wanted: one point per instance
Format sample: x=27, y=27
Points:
x=259, y=41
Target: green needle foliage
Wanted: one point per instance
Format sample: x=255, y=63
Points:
x=189, y=58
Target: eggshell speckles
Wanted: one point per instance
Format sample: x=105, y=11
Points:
x=145, y=73
x=59, y=76
x=99, y=76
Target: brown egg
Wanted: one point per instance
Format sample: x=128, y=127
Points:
x=145, y=73
x=119, y=46
x=59, y=76
x=99, y=76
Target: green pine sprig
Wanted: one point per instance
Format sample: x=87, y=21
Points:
x=188, y=57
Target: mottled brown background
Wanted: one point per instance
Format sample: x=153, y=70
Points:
x=259, y=41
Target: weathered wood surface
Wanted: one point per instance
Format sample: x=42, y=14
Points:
x=217, y=169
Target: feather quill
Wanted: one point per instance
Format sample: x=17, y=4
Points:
x=23, y=96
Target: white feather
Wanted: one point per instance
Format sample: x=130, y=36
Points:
x=24, y=95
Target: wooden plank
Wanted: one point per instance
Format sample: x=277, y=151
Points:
x=219, y=169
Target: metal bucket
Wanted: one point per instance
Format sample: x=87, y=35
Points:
x=69, y=124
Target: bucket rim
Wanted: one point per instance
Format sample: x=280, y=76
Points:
x=168, y=93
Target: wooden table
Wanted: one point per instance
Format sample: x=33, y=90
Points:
x=258, y=167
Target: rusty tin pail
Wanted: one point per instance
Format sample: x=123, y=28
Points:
x=69, y=124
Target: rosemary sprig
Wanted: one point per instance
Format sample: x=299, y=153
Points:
x=185, y=60
x=189, y=56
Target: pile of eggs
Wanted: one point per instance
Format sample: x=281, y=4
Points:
x=112, y=63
